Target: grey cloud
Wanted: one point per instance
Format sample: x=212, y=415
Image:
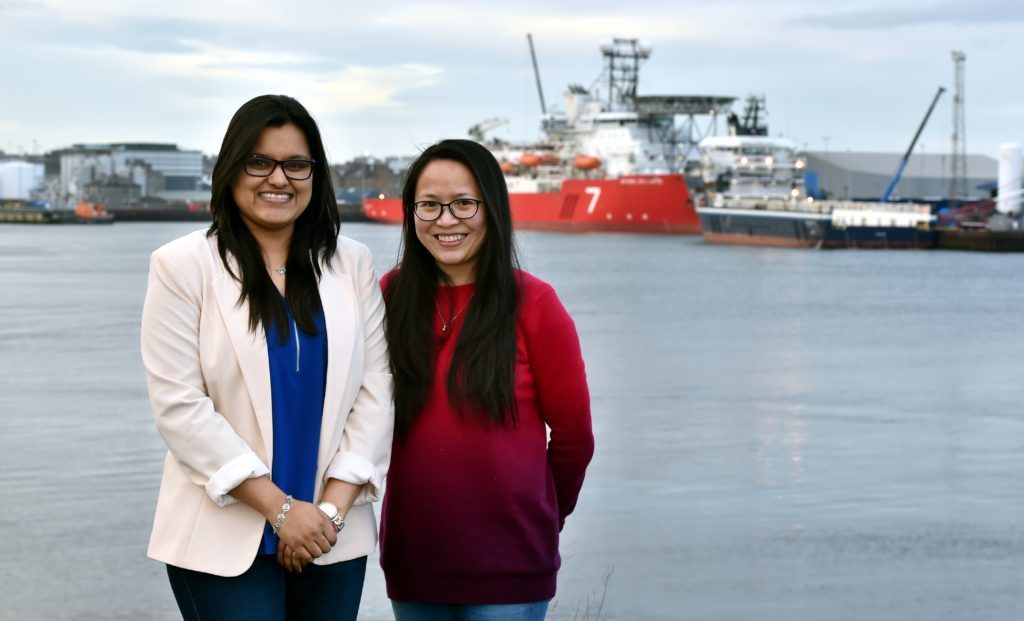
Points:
x=992, y=11
x=136, y=35
x=172, y=36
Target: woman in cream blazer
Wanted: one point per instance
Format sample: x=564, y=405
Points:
x=205, y=352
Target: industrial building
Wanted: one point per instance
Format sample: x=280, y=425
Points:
x=106, y=172
x=862, y=175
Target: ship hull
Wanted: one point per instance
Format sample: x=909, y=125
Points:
x=50, y=216
x=629, y=204
x=878, y=237
x=798, y=229
x=980, y=240
x=764, y=228
x=31, y=216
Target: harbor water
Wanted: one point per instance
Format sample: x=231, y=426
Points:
x=781, y=434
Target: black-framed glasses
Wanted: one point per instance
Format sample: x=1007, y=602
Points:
x=461, y=208
x=296, y=170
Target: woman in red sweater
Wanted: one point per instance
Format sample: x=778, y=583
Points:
x=485, y=361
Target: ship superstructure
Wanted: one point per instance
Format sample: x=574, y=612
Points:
x=748, y=163
x=612, y=160
x=755, y=195
x=608, y=130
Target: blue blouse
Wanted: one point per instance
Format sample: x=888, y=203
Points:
x=298, y=377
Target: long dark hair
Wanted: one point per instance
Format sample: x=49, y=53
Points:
x=482, y=373
x=315, y=237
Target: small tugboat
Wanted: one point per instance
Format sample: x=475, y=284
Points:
x=89, y=212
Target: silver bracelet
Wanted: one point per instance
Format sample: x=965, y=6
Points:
x=285, y=508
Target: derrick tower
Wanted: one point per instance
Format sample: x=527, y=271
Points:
x=623, y=58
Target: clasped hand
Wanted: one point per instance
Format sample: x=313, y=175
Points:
x=305, y=534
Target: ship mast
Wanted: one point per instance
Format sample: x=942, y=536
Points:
x=958, y=174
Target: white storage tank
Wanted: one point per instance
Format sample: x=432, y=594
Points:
x=19, y=179
x=1010, y=171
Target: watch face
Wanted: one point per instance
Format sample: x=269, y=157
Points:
x=328, y=508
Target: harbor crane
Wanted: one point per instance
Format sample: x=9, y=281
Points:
x=906, y=156
x=536, y=74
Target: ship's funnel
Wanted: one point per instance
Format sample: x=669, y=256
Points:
x=1008, y=200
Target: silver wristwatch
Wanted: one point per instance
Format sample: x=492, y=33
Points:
x=331, y=512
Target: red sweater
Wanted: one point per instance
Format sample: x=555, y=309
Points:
x=472, y=513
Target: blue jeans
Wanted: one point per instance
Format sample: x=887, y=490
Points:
x=266, y=592
x=412, y=611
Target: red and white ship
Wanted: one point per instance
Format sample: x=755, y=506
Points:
x=612, y=161
x=632, y=203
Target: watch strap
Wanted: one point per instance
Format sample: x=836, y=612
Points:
x=333, y=515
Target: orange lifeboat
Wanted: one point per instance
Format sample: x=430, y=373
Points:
x=586, y=162
x=549, y=158
x=529, y=160
x=507, y=167
x=88, y=211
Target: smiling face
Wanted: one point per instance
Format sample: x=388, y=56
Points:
x=270, y=205
x=455, y=244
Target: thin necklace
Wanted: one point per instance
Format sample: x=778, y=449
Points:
x=451, y=320
x=280, y=270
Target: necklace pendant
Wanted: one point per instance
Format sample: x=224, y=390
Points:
x=280, y=270
x=451, y=319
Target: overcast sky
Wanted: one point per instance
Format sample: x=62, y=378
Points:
x=393, y=78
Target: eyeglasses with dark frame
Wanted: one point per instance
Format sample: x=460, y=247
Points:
x=294, y=169
x=461, y=208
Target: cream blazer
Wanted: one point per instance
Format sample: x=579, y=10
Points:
x=209, y=386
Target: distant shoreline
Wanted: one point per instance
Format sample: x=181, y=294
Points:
x=349, y=212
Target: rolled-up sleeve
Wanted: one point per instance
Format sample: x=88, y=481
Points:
x=201, y=441
x=365, y=450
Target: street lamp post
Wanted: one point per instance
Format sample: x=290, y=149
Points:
x=364, y=169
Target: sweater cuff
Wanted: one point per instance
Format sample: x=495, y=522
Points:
x=231, y=475
x=357, y=470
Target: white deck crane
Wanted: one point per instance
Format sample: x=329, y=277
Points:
x=477, y=131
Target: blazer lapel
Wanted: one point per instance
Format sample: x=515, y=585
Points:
x=337, y=296
x=250, y=348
